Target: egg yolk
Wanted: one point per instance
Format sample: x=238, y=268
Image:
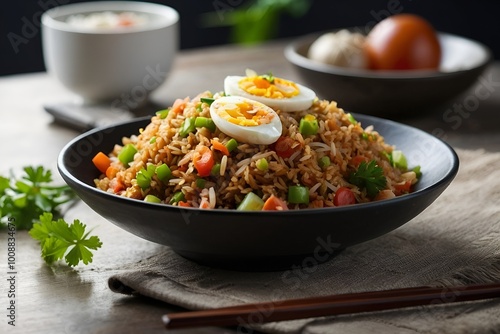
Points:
x=244, y=114
x=274, y=88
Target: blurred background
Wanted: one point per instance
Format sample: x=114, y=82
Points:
x=218, y=22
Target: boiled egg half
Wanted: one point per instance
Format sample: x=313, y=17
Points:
x=246, y=120
x=278, y=93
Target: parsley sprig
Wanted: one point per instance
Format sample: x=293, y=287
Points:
x=369, y=176
x=25, y=199
x=58, y=239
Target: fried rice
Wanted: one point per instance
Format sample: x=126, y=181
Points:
x=339, y=137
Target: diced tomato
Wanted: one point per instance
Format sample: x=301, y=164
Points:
x=116, y=185
x=203, y=160
x=286, y=146
x=344, y=196
x=184, y=204
x=402, y=188
x=357, y=160
x=274, y=203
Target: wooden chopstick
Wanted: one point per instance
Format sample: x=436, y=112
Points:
x=329, y=305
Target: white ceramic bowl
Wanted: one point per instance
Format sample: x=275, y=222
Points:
x=102, y=65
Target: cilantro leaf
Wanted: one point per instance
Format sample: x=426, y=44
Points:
x=60, y=240
x=25, y=199
x=369, y=176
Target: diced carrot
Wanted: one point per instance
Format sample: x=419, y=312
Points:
x=402, y=188
x=101, y=161
x=179, y=105
x=220, y=147
x=184, y=204
x=203, y=160
x=111, y=172
x=274, y=203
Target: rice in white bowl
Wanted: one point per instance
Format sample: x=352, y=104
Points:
x=107, y=20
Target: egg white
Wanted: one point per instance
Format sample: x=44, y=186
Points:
x=302, y=101
x=264, y=134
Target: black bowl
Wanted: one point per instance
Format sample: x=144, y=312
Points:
x=393, y=94
x=265, y=240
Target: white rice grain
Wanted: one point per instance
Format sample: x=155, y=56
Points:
x=211, y=198
x=223, y=165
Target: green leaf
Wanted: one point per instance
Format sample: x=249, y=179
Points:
x=25, y=199
x=370, y=177
x=59, y=240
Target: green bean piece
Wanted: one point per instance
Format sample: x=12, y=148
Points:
x=308, y=125
x=251, y=202
x=231, y=145
x=187, y=127
x=152, y=199
x=177, y=197
x=163, y=172
x=298, y=195
x=205, y=122
x=127, y=153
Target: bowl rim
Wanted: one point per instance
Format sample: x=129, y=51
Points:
x=169, y=16
x=294, y=57
x=448, y=176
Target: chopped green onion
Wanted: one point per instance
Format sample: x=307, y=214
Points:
x=177, y=197
x=324, y=162
x=298, y=195
x=152, y=140
x=163, y=113
x=144, y=176
x=205, y=122
x=262, y=164
x=163, y=172
x=351, y=119
x=399, y=160
x=152, y=199
x=199, y=107
x=231, y=145
x=187, y=127
x=251, y=202
x=308, y=125
x=143, y=180
x=127, y=153
x=215, y=170
x=269, y=77
x=207, y=100
x=200, y=183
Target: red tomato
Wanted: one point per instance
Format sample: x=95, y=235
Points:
x=344, y=196
x=403, y=42
x=402, y=188
x=203, y=160
x=285, y=147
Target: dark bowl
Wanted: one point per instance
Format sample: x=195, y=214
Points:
x=265, y=240
x=393, y=94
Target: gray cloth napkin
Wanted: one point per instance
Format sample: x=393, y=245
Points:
x=455, y=241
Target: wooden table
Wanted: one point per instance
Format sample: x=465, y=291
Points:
x=61, y=300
